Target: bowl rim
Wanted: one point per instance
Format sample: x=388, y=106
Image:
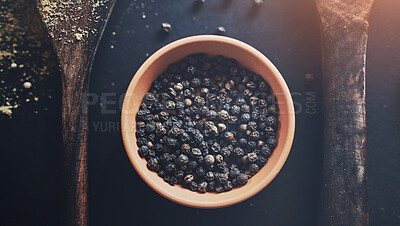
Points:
x=287, y=142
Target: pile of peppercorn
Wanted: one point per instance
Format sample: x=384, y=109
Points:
x=207, y=124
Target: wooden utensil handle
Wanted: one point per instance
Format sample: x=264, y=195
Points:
x=75, y=29
x=344, y=29
x=74, y=126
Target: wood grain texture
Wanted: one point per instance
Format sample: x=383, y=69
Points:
x=75, y=28
x=344, y=30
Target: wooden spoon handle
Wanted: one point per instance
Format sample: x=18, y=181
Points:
x=344, y=28
x=74, y=126
x=75, y=28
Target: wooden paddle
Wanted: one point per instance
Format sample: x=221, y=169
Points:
x=344, y=29
x=75, y=27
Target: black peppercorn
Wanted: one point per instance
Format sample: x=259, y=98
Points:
x=220, y=30
x=189, y=178
x=203, y=187
x=219, y=189
x=245, y=117
x=209, y=160
x=221, y=127
x=141, y=133
x=240, y=101
x=225, y=152
x=271, y=121
x=173, y=180
x=211, y=186
x=235, y=110
x=223, y=115
x=149, y=98
x=170, y=168
x=183, y=160
x=254, y=168
x=252, y=157
x=198, y=137
x=179, y=175
x=242, y=179
x=235, y=172
x=229, y=85
x=185, y=137
x=238, y=152
x=162, y=173
x=271, y=142
x=153, y=165
x=187, y=93
x=206, y=82
x=232, y=119
x=223, y=167
x=245, y=108
x=251, y=85
x=245, y=160
x=219, y=158
x=193, y=186
x=143, y=151
x=172, y=92
x=233, y=71
x=262, y=103
x=170, y=105
x=174, y=131
x=178, y=86
x=192, y=164
x=199, y=100
x=191, y=69
x=196, y=152
x=243, y=127
x=172, y=142
x=243, y=142
x=216, y=148
x=209, y=176
x=141, y=114
x=273, y=110
x=228, y=186
x=185, y=148
x=200, y=172
x=261, y=161
x=255, y=135
x=142, y=141
x=222, y=178
x=262, y=126
x=252, y=144
x=269, y=130
x=195, y=82
x=228, y=135
x=266, y=151
x=141, y=125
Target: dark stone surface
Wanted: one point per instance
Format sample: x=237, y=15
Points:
x=287, y=33
x=383, y=114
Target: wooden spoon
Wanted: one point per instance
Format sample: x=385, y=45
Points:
x=75, y=27
x=344, y=29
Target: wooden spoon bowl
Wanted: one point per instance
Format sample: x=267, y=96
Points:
x=249, y=58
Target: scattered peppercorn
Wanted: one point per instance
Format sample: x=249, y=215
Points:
x=166, y=27
x=258, y=2
x=207, y=124
x=209, y=160
x=221, y=30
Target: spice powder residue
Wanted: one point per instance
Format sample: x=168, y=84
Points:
x=28, y=68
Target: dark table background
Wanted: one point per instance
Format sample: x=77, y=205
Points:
x=287, y=32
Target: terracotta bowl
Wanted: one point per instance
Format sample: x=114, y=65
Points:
x=249, y=58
